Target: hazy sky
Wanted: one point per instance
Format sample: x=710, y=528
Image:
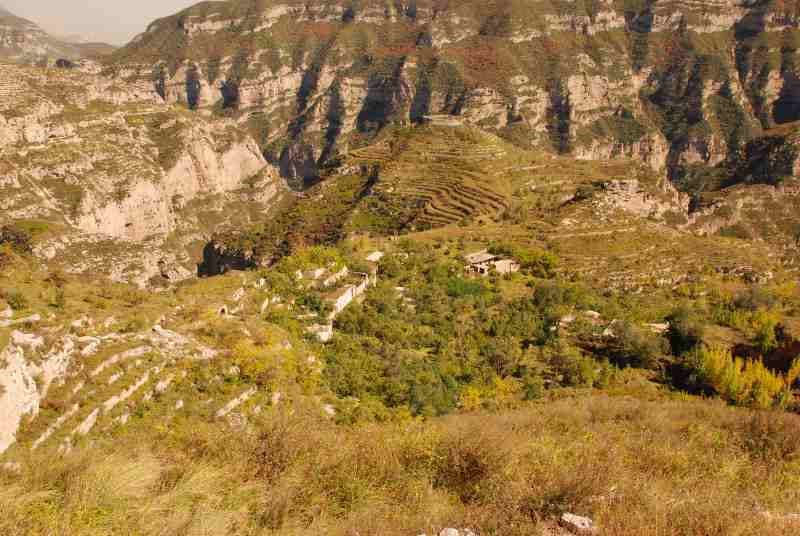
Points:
x=113, y=21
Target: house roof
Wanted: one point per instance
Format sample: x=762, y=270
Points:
x=479, y=257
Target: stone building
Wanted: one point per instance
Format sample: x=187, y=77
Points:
x=483, y=263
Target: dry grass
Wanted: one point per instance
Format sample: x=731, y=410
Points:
x=636, y=467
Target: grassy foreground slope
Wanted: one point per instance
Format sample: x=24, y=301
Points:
x=638, y=467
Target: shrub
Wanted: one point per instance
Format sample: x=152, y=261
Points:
x=585, y=191
x=637, y=347
x=569, y=366
x=765, y=326
x=468, y=460
x=256, y=363
x=551, y=295
x=771, y=435
x=6, y=255
x=746, y=383
x=314, y=303
x=736, y=231
x=458, y=287
x=16, y=300
x=755, y=298
x=503, y=354
x=59, y=300
x=19, y=239
x=532, y=386
x=685, y=330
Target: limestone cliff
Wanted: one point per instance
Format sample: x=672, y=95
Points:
x=682, y=85
x=105, y=162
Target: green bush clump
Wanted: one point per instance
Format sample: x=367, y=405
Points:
x=746, y=383
x=638, y=347
x=569, y=366
x=458, y=287
x=314, y=303
x=19, y=239
x=685, y=330
x=16, y=299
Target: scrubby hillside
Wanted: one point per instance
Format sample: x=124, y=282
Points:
x=207, y=408
x=617, y=222
x=636, y=467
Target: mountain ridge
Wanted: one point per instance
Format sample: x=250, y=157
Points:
x=349, y=70
x=24, y=41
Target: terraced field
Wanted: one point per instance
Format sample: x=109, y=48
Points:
x=448, y=175
x=78, y=373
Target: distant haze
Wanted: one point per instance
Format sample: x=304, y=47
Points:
x=111, y=21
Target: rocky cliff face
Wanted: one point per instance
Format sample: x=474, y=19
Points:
x=110, y=163
x=681, y=84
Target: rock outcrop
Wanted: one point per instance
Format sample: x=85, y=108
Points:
x=24, y=381
x=107, y=162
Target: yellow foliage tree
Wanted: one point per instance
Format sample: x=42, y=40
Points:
x=746, y=383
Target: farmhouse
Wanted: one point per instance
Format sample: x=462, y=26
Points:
x=484, y=263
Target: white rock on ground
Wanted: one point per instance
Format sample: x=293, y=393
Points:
x=26, y=339
x=577, y=524
x=112, y=402
x=12, y=467
x=236, y=402
x=163, y=385
x=456, y=532
x=18, y=396
x=88, y=423
x=113, y=360
x=27, y=320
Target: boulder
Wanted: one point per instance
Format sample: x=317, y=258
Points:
x=577, y=524
x=456, y=532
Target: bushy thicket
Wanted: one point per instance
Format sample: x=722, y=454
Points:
x=18, y=239
x=739, y=381
x=428, y=340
